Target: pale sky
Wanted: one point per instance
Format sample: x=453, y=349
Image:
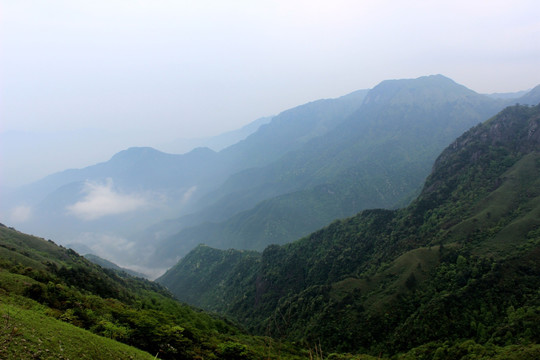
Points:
x=85, y=79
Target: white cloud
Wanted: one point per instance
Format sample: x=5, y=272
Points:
x=106, y=245
x=119, y=250
x=188, y=194
x=21, y=214
x=102, y=200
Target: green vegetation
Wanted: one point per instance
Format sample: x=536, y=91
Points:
x=456, y=274
x=205, y=268
x=31, y=334
x=57, y=304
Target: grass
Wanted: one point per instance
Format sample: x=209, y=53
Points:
x=508, y=213
x=30, y=334
x=382, y=287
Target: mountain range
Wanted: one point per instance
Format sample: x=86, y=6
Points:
x=377, y=157
x=308, y=166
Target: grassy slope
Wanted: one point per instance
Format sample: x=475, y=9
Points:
x=28, y=333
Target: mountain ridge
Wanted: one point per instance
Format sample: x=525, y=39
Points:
x=331, y=149
x=378, y=157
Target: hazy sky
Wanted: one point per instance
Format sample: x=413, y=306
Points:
x=80, y=80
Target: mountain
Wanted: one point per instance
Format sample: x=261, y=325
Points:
x=140, y=173
x=106, y=206
x=55, y=304
x=378, y=157
x=530, y=98
x=510, y=95
x=100, y=206
x=456, y=272
x=294, y=127
x=309, y=165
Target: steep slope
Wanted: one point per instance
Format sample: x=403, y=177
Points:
x=461, y=262
x=56, y=304
x=290, y=130
x=191, y=279
x=30, y=334
x=378, y=157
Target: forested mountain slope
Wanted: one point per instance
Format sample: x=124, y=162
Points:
x=378, y=157
x=461, y=262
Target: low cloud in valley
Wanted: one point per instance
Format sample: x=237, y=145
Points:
x=103, y=200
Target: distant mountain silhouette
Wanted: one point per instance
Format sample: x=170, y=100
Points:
x=216, y=143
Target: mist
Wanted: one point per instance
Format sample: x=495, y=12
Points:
x=83, y=81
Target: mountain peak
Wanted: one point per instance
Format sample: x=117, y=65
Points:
x=136, y=152
x=436, y=88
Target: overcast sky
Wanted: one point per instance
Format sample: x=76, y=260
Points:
x=84, y=79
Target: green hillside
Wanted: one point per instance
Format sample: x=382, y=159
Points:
x=29, y=333
x=55, y=304
x=455, y=273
